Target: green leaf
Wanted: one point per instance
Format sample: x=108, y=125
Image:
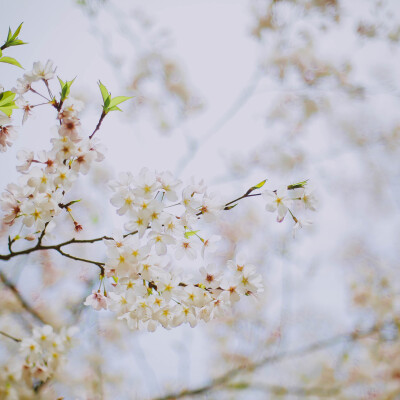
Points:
x=115, y=108
x=16, y=42
x=9, y=34
x=104, y=92
x=61, y=82
x=65, y=88
x=10, y=60
x=7, y=103
x=190, y=233
x=6, y=97
x=8, y=109
x=110, y=104
x=12, y=39
x=297, y=185
x=230, y=207
x=107, y=103
x=259, y=185
x=1, y=52
x=17, y=31
x=239, y=385
x=74, y=202
x=118, y=100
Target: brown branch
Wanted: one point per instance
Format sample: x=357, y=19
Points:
x=57, y=247
x=225, y=378
x=99, y=264
x=10, y=337
x=23, y=302
x=103, y=114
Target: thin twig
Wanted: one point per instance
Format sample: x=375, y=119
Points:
x=103, y=114
x=10, y=337
x=34, y=91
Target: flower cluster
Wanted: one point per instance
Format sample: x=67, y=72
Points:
x=39, y=72
x=47, y=176
x=43, y=352
x=281, y=200
x=148, y=288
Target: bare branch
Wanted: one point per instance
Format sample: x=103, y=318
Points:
x=280, y=390
x=23, y=302
x=225, y=378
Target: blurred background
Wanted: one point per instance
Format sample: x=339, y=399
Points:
x=233, y=92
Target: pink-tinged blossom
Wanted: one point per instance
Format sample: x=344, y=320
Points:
x=83, y=159
x=187, y=247
x=210, y=244
x=23, y=85
x=210, y=208
x=64, y=148
x=26, y=158
x=49, y=159
x=211, y=276
x=24, y=105
x=7, y=135
x=97, y=148
x=96, y=300
x=71, y=108
x=70, y=128
x=10, y=206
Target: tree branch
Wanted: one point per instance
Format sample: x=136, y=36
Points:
x=10, y=337
x=103, y=114
x=57, y=247
x=225, y=378
x=23, y=302
x=280, y=390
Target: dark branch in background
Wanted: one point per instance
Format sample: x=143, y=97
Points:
x=279, y=390
x=240, y=101
x=23, y=302
x=224, y=379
